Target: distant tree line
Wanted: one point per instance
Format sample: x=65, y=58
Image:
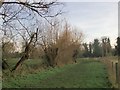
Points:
x=98, y=48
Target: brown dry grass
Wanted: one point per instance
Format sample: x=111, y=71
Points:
x=110, y=64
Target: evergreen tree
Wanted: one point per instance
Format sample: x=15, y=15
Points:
x=97, y=48
x=108, y=46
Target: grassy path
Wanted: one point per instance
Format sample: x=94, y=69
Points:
x=86, y=74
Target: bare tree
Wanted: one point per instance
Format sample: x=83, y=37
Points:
x=63, y=50
x=25, y=20
x=106, y=46
x=21, y=19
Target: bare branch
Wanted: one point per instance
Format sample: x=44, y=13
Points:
x=23, y=26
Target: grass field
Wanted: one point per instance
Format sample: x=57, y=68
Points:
x=85, y=74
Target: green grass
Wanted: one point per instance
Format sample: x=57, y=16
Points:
x=28, y=66
x=30, y=62
x=84, y=74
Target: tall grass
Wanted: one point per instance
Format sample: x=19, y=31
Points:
x=111, y=68
x=29, y=66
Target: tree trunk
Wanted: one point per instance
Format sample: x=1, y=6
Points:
x=5, y=65
x=25, y=54
x=23, y=58
x=51, y=54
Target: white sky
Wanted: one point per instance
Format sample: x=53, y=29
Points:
x=95, y=19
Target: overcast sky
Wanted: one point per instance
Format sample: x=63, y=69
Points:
x=95, y=19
